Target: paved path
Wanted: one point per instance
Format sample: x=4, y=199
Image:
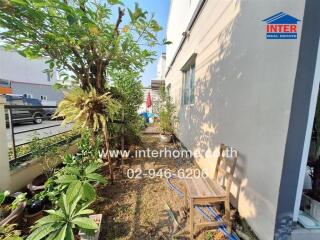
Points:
x=22, y=137
x=151, y=130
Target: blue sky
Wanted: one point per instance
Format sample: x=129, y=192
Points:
x=161, y=9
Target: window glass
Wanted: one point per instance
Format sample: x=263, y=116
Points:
x=188, y=86
x=27, y=95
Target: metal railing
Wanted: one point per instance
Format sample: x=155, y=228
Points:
x=11, y=120
x=12, y=117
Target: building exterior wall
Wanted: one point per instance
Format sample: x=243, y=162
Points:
x=161, y=67
x=243, y=93
x=16, y=68
x=27, y=76
x=37, y=90
x=180, y=14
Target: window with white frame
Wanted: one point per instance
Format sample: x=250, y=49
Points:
x=188, y=84
x=27, y=95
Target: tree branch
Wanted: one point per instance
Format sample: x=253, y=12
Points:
x=119, y=20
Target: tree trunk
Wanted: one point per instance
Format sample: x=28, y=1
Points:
x=107, y=155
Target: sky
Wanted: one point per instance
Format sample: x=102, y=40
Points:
x=161, y=9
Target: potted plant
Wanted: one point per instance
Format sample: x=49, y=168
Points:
x=34, y=211
x=67, y=221
x=167, y=116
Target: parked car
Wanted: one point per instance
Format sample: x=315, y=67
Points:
x=24, y=115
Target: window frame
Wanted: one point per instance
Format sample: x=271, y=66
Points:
x=188, y=96
x=27, y=95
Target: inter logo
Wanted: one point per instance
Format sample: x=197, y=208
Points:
x=281, y=26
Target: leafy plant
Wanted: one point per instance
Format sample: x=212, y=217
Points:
x=86, y=45
x=46, y=151
x=80, y=37
x=89, y=148
x=82, y=179
x=3, y=195
x=22, y=197
x=128, y=89
x=68, y=219
x=88, y=154
x=168, y=117
x=88, y=109
x=53, y=140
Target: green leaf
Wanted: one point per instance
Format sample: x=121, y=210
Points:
x=69, y=233
x=74, y=190
x=52, y=235
x=89, y=193
x=22, y=2
x=91, y=168
x=48, y=219
x=64, y=205
x=65, y=179
x=84, y=212
x=73, y=206
x=62, y=233
x=114, y=2
x=41, y=232
x=96, y=177
x=57, y=213
x=85, y=223
x=3, y=195
x=71, y=171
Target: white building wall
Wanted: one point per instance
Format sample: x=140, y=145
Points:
x=243, y=94
x=14, y=67
x=161, y=67
x=180, y=14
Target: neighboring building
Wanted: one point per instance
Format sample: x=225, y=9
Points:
x=154, y=89
x=161, y=67
x=232, y=85
x=21, y=76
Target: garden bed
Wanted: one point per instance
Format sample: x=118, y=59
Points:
x=137, y=208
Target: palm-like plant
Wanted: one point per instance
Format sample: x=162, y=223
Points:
x=88, y=109
x=64, y=222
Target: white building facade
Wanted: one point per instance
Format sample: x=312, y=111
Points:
x=232, y=85
x=21, y=76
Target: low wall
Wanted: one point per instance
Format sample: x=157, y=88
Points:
x=22, y=175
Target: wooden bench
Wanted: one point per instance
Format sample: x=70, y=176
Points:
x=205, y=191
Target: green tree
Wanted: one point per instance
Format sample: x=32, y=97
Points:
x=80, y=37
x=128, y=87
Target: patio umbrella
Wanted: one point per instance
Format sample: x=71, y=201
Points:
x=149, y=101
